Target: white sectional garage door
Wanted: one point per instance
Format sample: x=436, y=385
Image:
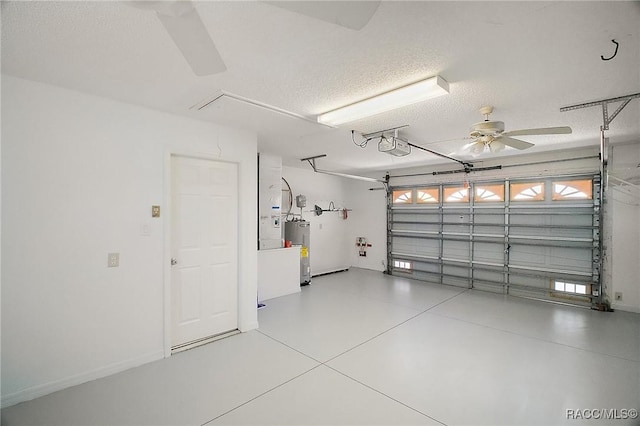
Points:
x=537, y=237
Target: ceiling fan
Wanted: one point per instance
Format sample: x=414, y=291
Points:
x=490, y=136
x=185, y=27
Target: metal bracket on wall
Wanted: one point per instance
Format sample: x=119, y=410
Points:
x=606, y=118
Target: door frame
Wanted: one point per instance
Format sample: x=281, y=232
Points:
x=167, y=240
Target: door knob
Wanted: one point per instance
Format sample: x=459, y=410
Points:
x=174, y=261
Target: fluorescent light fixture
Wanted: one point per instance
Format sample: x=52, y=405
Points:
x=403, y=96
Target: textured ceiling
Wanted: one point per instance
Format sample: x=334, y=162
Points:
x=527, y=59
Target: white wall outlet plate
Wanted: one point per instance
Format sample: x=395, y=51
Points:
x=113, y=260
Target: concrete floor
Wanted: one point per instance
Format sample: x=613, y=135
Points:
x=361, y=347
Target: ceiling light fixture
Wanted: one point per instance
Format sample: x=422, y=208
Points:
x=403, y=96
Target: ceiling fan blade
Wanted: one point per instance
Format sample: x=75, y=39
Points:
x=514, y=143
x=543, y=131
x=349, y=14
x=194, y=42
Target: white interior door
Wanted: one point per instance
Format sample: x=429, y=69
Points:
x=204, y=248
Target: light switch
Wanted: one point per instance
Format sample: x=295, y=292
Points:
x=155, y=211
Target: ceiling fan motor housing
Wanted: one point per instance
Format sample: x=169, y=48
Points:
x=487, y=128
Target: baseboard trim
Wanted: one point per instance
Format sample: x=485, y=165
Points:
x=248, y=326
x=56, y=385
x=330, y=271
x=625, y=308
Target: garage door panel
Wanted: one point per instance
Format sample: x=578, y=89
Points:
x=489, y=230
x=528, y=255
x=488, y=280
x=528, y=281
x=488, y=276
x=456, y=229
x=455, y=276
x=455, y=250
x=572, y=259
x=426, y=267
x=430, y=250
x=490, y=287
x=485, y=220
x=528, y=219
x=583, y=219
x=488, y=253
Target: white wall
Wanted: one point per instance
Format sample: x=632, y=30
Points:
x=330, y=247
x=0, y=238
x=623, y=210
x=370, y=221
x=625, y=251
x=79, y=177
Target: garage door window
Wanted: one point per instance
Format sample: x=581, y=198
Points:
x=427, y=195
x=456, y=194
x=570, y=287
x=572, y=190
x=403, y=197
x=489, y=193
x=529, y=191
x=403, y=265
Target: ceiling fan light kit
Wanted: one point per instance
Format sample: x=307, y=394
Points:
x=496, y=146
x=476, y=148
x=393, y=99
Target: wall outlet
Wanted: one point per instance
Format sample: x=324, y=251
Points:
x=155, y=211
x=113, y=260
x=618, y=296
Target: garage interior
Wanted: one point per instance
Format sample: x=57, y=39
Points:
x=191, y=234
